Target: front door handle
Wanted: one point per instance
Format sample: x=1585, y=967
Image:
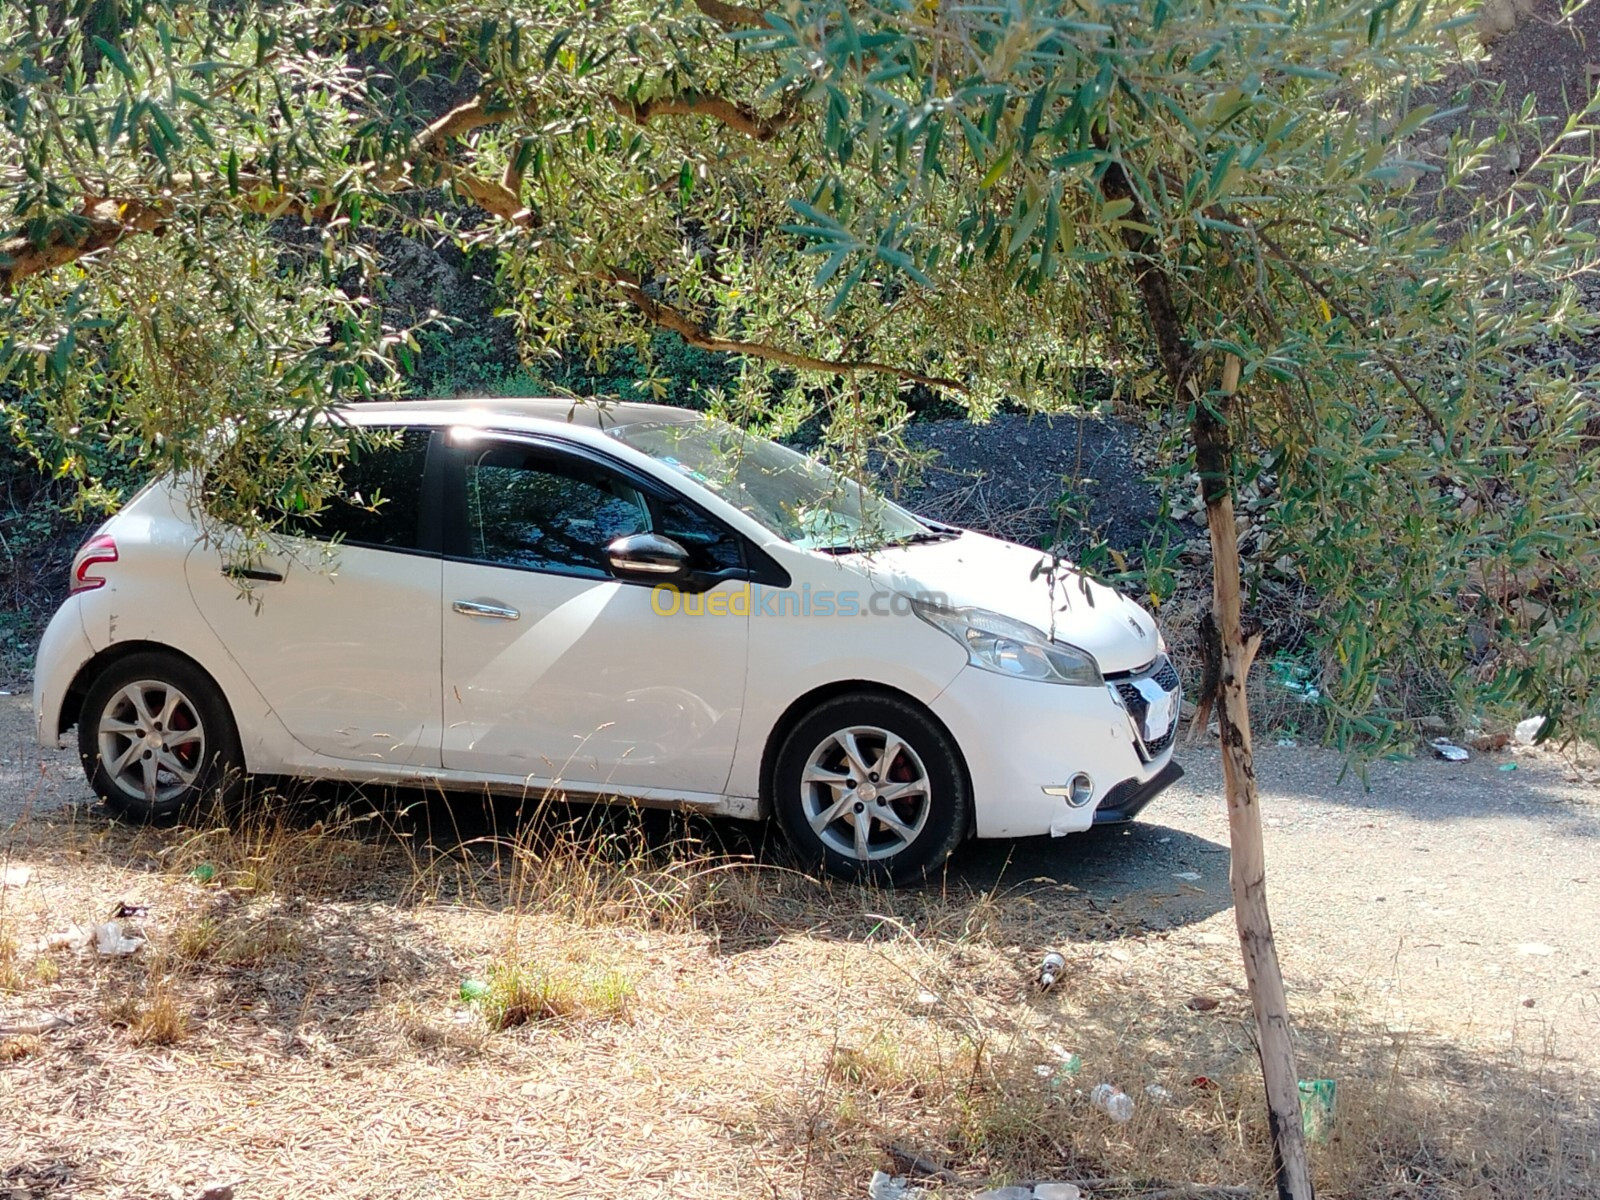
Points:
x=472, y=608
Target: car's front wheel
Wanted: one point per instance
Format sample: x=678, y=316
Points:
x=871, y=788
x=156, y=738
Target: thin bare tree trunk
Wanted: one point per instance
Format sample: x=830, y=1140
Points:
x=1249, y=870
x=1213, y=457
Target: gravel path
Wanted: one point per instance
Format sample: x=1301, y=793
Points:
x=1455, y=899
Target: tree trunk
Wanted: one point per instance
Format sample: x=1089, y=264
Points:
x=1248, y=875
x=1213, y=455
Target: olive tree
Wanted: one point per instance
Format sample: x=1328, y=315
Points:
x=1218, y=201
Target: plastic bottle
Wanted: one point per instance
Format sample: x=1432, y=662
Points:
x=1050, y=970
x=1112, y=1101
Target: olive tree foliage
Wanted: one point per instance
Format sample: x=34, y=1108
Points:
x=1245, y=171
x=855, y=198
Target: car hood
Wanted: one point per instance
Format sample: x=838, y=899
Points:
x=983, y=572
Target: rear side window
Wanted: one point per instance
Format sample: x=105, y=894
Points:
x=382, y=504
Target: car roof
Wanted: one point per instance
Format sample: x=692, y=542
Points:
x=516, y=413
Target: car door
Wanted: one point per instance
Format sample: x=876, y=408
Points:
x=554, y=670
x=337, y=623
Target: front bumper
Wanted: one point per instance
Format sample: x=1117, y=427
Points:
x=1125, y=801
x=1019, y=738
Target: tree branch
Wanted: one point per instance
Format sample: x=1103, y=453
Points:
x=463, y=119
x=103, y=222
x=732, y=16
x=697, y=335
x=740, y=117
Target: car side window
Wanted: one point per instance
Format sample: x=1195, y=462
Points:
x=536, y=511
x=711, y=547
x=382, y=501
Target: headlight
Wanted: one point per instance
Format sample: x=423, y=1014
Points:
x=1007, y=647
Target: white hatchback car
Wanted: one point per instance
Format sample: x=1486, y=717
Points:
x=614, y=601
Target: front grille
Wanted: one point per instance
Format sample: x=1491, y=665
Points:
x=1165, y=676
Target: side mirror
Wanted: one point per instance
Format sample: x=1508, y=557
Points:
x=648, y=557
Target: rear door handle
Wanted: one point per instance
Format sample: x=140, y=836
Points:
x=253, y=573
x=471, y=608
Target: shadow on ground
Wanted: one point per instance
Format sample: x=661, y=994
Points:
x=412, y=846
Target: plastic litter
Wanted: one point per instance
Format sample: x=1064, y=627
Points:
x=1050, y=970
x=1508, y=766
x=1158, y=1093
x=1013, y=1192
x=1187, y=876
x=1317, y=1100
x=204, y=873
x=891, y=1187
x=1446, y=749
x=926, y=998
x=474, y=989
x=1057, y=1191
x=1287, y=743
x=125, y=911
x=1112, y=1101
x=1526, y=731
x=1061, y=1072
x=112, y=942
x=1296, y=679
x=15, y=877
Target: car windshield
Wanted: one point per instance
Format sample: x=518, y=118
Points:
x=796, y=497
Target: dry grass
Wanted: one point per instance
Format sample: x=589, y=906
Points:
x=155, y=1016
x=11, y=976
x=664, y=1018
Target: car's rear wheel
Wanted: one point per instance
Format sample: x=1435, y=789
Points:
x=156, y=738
x=871, y=788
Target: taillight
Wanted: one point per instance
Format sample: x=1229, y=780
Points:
x=101, y=548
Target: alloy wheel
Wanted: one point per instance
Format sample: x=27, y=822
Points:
x=865, y=793
x=151, y=740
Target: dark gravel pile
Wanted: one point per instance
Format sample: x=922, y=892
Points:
x=1035, y=480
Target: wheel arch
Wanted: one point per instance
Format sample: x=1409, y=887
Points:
x=804, y=703
x=72, y=701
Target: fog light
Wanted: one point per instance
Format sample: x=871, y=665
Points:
x=1078, y=792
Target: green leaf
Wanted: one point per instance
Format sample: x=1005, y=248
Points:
x=1032, y=212
x=554, y=48
x=116, y=57
x=995, y=171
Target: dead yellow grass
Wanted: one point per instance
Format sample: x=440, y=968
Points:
x=663, y=1020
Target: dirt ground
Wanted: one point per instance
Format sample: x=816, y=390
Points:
x=293, y=1026
x=1456, y=898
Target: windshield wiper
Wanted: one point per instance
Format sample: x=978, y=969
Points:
x=927, y=536
x=934, y=533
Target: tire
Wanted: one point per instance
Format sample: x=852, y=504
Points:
x=156, y=738
x=910, y=832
